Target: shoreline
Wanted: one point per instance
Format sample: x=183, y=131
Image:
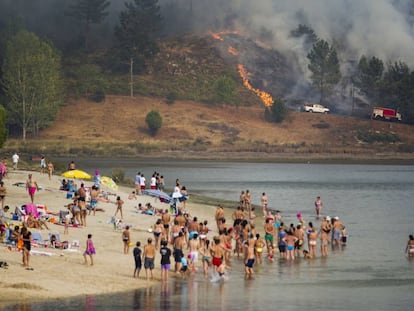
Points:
x=60, y=274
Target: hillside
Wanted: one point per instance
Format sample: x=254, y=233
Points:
x=117, y=127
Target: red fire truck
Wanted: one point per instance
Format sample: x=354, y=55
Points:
x=389, y=114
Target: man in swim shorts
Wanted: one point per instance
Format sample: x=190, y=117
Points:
x=31, y=186
x=218, y=252
x=249, y=262
x=269, y=234
x=149, y=257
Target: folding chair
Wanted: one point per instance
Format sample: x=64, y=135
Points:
x=37, y=239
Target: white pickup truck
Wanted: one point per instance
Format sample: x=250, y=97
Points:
x=316, y=108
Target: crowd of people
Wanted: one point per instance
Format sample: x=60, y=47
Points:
x=187, y=245
x=192, y=245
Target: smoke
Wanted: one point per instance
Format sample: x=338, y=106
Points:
x=381, y=28
x=372, y=27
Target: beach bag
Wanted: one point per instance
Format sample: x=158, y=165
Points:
x=20, y=244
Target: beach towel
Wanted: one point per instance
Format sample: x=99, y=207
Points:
x=32, y=208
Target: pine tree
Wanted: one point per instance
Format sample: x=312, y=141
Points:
x=89, y=12
x=324, y=66
x=136, y=34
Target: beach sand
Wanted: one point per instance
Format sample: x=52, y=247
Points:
x=61, y=273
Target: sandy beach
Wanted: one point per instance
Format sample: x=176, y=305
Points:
x=61, y=273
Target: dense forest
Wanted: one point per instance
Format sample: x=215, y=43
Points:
x=54, y=49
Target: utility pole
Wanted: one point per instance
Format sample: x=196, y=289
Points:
x=131, y=72
x=352, y=98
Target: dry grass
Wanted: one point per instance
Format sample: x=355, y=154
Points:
x=120, y=122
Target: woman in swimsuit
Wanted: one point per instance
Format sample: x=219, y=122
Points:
x=2, y=194
x=325, y=236
x=90, y=250
x=126, y=239
x=119, y=203
x=313, y=235
x=258, y=248
x=410, y=246
x=158, y=233
x=26, y=236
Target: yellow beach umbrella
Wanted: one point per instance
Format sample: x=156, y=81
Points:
x=76, y=174
x=108, y=182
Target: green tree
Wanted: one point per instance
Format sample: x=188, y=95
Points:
x=277, y=112
x=397, y=91
x=369, y=77
x=31, y=82
x=225, y=88
x=87, y=80
x=154, y=121
x=3, y=129
x=89, y=12
x=324, y=66
x=137, y=33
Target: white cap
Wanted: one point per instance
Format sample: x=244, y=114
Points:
x=328, y=218
x=336, y=218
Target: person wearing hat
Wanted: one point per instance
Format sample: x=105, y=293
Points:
x=338, y=226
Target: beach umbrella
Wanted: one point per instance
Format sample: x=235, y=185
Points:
x=76, y=174
x=164, y=197
x=108, y=182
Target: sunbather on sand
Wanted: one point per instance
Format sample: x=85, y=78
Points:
x=32, y=222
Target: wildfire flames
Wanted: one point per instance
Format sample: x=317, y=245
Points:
x=233, y=51
x=217, y=36
x=266, y=98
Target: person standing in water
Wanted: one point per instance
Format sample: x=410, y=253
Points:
x=264, y=201
x=410, y=246
x=318, y=206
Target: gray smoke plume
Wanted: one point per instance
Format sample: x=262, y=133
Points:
x=381, y=28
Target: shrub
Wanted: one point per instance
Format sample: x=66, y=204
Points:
x=378, y=137
x=118, y=175
x=225, y=88
x=277, y=112
x=154, y=121
x=171, y=98
x=98, y=96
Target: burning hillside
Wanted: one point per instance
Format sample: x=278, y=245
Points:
x=190, y=66
x=264, y=71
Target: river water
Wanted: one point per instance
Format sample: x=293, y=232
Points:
x=371, y=273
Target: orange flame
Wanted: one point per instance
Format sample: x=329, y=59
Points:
x=233, y=51
x=217, y=36
x=266, y=98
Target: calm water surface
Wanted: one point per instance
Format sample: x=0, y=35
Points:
x=372, y=273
